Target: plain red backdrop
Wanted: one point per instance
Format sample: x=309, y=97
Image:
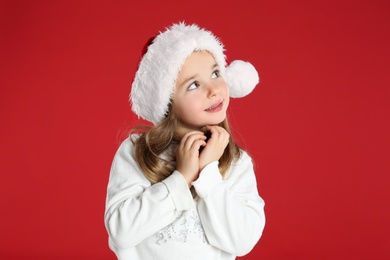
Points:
x=317, y=126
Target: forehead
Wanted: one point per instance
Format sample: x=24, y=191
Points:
x=196, y=61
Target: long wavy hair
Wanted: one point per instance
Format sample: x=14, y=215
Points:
x=156, y=159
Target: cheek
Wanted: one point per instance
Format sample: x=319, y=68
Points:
x=188, y=107
x=225, y=89
x=193, y=105
x=226, y=96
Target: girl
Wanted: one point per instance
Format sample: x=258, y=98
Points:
x=183, y=189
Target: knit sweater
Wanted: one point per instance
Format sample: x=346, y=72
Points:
x=162, y=221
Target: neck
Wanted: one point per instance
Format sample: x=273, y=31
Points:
x=181, y=130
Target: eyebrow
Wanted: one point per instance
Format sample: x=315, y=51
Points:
x=214, y=66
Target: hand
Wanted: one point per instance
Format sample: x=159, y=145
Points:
x=215, y=146
x=187, y=155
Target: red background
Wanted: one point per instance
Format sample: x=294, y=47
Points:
x=317, y=125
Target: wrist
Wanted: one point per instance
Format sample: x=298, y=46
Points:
x=189, y=178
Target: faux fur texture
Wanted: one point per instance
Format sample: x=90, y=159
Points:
x=155, y=78
x=241, y=78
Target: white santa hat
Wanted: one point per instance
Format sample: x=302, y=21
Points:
x=155, y=79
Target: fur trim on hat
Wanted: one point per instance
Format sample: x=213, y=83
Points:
x=154, y=81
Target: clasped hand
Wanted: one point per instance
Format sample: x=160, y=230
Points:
x=189, y=161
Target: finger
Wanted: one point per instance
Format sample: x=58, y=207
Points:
x=197, y=144
x=189, y=140
x=215, y=131
x=188, y=135
x=219, y=134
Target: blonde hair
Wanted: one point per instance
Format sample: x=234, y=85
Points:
x=152, y=145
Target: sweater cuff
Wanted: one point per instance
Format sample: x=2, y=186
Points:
x=178, y=189
x=208, y=178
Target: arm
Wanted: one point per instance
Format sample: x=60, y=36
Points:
x=135, y=209
x=231, y=211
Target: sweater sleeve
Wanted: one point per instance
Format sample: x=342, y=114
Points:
x=231, y=210
x=135, y=209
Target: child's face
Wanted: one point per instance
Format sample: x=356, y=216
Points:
x=201, y=96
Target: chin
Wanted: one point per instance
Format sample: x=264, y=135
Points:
x=217, y=122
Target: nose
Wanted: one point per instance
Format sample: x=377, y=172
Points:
x=212, y=89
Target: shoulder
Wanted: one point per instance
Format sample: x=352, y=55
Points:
x=125, y=164
x=128, y=143
x=125, y=151
x=243, y=158
x=241, y=172
x=242, y=164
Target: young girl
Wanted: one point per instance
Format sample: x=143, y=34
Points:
x=183, y=189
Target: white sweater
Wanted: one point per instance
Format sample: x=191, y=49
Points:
x=164, y=221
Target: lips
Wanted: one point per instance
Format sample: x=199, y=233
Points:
x=215, y=107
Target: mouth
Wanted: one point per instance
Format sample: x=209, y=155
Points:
x=215, y=107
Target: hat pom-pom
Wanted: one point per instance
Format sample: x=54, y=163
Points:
x=242, y=78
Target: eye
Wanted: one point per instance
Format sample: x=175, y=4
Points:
x=215, y=74
x=193, y=86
